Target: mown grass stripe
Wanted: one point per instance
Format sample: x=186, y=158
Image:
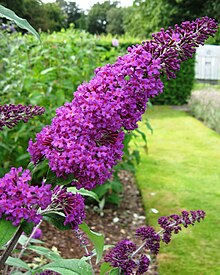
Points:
x=182, y=171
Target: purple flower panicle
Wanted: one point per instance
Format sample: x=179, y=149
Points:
x=85, y=138
x=72, y=205
x=172, y=223
x=21, y=201
x=11, y=114
x=125, y=254
x=176, y=45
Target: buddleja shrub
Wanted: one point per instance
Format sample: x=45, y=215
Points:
x=81, y=146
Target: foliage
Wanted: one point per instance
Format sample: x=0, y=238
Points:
x=73, y=14
x=54, y=18
x=205, y=105
x=181, y=169
x=188, y=10
x=177, y=91
x=151, y=15
x=97, y=17
x=46, y=75
x=40, y=78
x=115, y=21
x=41, y=16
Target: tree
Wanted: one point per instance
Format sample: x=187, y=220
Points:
x=40, y=16
x=115, y=21
x=73, y=13
x=55, y=18
x=97, y=17
x=146, y=16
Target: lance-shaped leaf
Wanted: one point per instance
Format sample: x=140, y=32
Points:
x=70, y=267
x=96, y=238
x=83, y=192
x=7, y=231
x=22, y=23
x=17, y=262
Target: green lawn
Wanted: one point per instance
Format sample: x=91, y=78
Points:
x=181, y=171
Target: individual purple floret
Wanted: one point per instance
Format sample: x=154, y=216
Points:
x=71, y=204
x=173, y=223
x=11, y=114
x=85, y=138
x=19, y=200
x=120, y=256
x=150, y=237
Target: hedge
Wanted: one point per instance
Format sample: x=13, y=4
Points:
x=178, y=90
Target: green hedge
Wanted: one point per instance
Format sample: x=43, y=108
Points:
x=178, y=90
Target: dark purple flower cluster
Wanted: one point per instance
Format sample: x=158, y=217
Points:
x=150, y=237
x=19, y=200
x=172, y=223
x=125, y=254
x=71, y=204
x=176, y=45
x=85, y=138
x=11, y=114
x=120, y=256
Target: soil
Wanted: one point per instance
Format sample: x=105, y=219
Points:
x=116, y=223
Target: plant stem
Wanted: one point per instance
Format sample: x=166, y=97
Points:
x=10, y=247
x=24, y=247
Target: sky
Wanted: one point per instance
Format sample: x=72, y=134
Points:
x=86, y=4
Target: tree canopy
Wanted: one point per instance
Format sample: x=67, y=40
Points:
x=141, y=19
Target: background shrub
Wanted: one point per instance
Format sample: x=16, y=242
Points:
x=177, y=91
x=205, y=105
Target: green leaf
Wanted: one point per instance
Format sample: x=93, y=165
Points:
x=136, y=155
x=142, y=135
x=149, y=127
x=105, y=267
x=114, y=271
x=17, y=262
x=48, y=70
x=7, y=231
x=57, y=220
x=5, y=146
x=45, y=252
x=83, y=192
x=22, y=23
x=23, y=239
x=27, y=227
x=70, y=267
x=96, y=238
x=114, y=199
x=54, y=180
